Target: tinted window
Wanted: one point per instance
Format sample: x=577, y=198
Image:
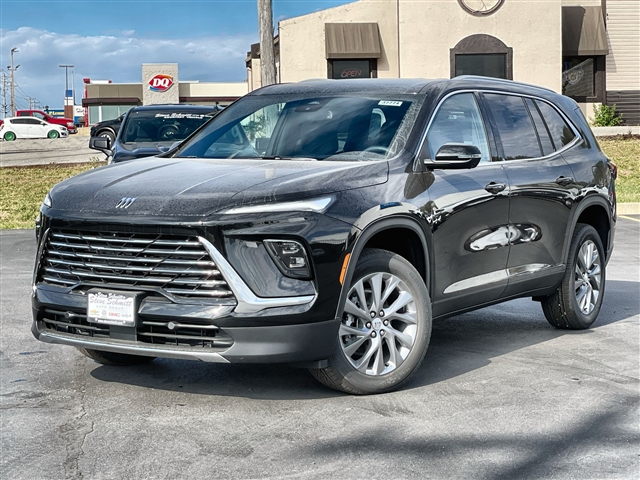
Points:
x=19, y=121
x=154, y=126
x=561, y=133
x=351, y=69
x=32, y=121
x=543, y=132
x=489, y=65
x=458, y=120
x=515, y=127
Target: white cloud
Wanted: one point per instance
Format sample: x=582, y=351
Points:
x=117, y=57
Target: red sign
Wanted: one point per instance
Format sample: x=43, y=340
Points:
x=161, y=83
x=351, y=73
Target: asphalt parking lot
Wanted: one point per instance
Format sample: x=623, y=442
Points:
x=501, y=395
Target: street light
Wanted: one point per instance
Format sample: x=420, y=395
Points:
x=66, y=88
x=13, y=83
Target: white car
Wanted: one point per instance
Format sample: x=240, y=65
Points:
x=30, y=127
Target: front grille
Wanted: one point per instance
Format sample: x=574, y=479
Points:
x=177, y=264
x=148, y=331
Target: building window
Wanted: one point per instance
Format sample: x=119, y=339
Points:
x=583, y=78
x=488, y=65
x=482, y=55
x=342, y=69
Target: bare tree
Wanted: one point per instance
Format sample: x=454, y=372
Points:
x=267, y=53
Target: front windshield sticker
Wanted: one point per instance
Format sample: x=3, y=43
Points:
x=390, y=103
x=197, y=116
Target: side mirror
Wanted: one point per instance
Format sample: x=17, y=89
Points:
x=456, y=156
x=102, y=144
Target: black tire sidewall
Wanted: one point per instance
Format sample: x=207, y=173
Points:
x=9, y=134
x=385, y=261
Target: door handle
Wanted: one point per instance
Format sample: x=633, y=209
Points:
x=494, y=187
x=564, y=181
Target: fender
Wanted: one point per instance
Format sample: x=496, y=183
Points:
x=582, y=205
x=395, y=221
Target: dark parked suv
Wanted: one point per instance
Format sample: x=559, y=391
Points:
x=326, y=223
x=150, y=130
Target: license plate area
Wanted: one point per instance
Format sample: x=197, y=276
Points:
x=110, y=307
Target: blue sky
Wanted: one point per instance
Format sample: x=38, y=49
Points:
x=110, y=40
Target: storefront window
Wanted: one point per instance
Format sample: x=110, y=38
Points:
x=342, y=69
x=579, y=77
x=486, y=65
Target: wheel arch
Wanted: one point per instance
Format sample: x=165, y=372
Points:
x=413, y=246
x=593, y=210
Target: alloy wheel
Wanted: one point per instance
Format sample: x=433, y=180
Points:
x=379, y=326
x=588, y=277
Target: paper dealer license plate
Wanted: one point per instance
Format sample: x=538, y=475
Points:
x=111, y=308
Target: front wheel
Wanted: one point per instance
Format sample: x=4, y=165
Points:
x=385, y=328
x=576, y=303
x=111, y=358
x=53, y=134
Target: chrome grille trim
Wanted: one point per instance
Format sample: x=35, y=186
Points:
x=179, y=265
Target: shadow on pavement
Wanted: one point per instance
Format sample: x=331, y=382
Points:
x=458, y=345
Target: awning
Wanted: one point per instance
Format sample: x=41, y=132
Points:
x=583, y=32
x=352, y=40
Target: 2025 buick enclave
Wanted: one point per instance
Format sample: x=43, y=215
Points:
x=326, y=223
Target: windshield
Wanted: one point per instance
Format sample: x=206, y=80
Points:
x=320, y=128
x=161, y=127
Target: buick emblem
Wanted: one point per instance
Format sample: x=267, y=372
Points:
x=125, y=202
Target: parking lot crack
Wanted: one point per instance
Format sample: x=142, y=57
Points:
x=74, y=432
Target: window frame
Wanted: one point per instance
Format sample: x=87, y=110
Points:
x=492, y=132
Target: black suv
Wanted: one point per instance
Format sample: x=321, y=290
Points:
x=326, y=223
x=150, y=130
x=107, y=128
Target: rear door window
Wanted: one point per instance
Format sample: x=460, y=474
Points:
x=515, y=127
x=561, y=132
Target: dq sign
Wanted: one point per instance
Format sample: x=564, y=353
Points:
x=160, y=83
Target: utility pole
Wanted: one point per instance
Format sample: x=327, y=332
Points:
x=13, y=83
x=5, y=88
x=267, y=53
x=68, y=108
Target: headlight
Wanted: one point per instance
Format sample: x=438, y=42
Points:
x=318, y=205
x=290, y=257
x=71, y=124
x=47, y=201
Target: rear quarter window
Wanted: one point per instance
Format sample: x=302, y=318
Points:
x=561, y=132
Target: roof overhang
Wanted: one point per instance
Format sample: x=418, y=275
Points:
x=583, y=32
x=352, y=40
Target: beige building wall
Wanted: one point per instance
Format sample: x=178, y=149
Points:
x=533, y=28
x=302, y=44
x=209, y=89
x=425, y=31
x=623, y=31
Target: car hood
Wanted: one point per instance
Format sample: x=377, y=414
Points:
x=199, y=187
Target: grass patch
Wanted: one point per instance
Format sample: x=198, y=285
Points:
x=626, y=155
x=22, y=190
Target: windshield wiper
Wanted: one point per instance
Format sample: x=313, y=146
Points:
x=278, y=157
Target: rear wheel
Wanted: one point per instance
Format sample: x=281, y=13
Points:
x=9, y=136
x=111, y=358
x=53, y=134
x=385, y=327
x=576, y=303
x=108, y=134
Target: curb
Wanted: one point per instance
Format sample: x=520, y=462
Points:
x=628, y=208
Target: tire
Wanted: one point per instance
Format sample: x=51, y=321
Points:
x=379, y=354
x=9, y=136
x=109, y=134
x=576, y=303
x=53, y=134
x=110, y=358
